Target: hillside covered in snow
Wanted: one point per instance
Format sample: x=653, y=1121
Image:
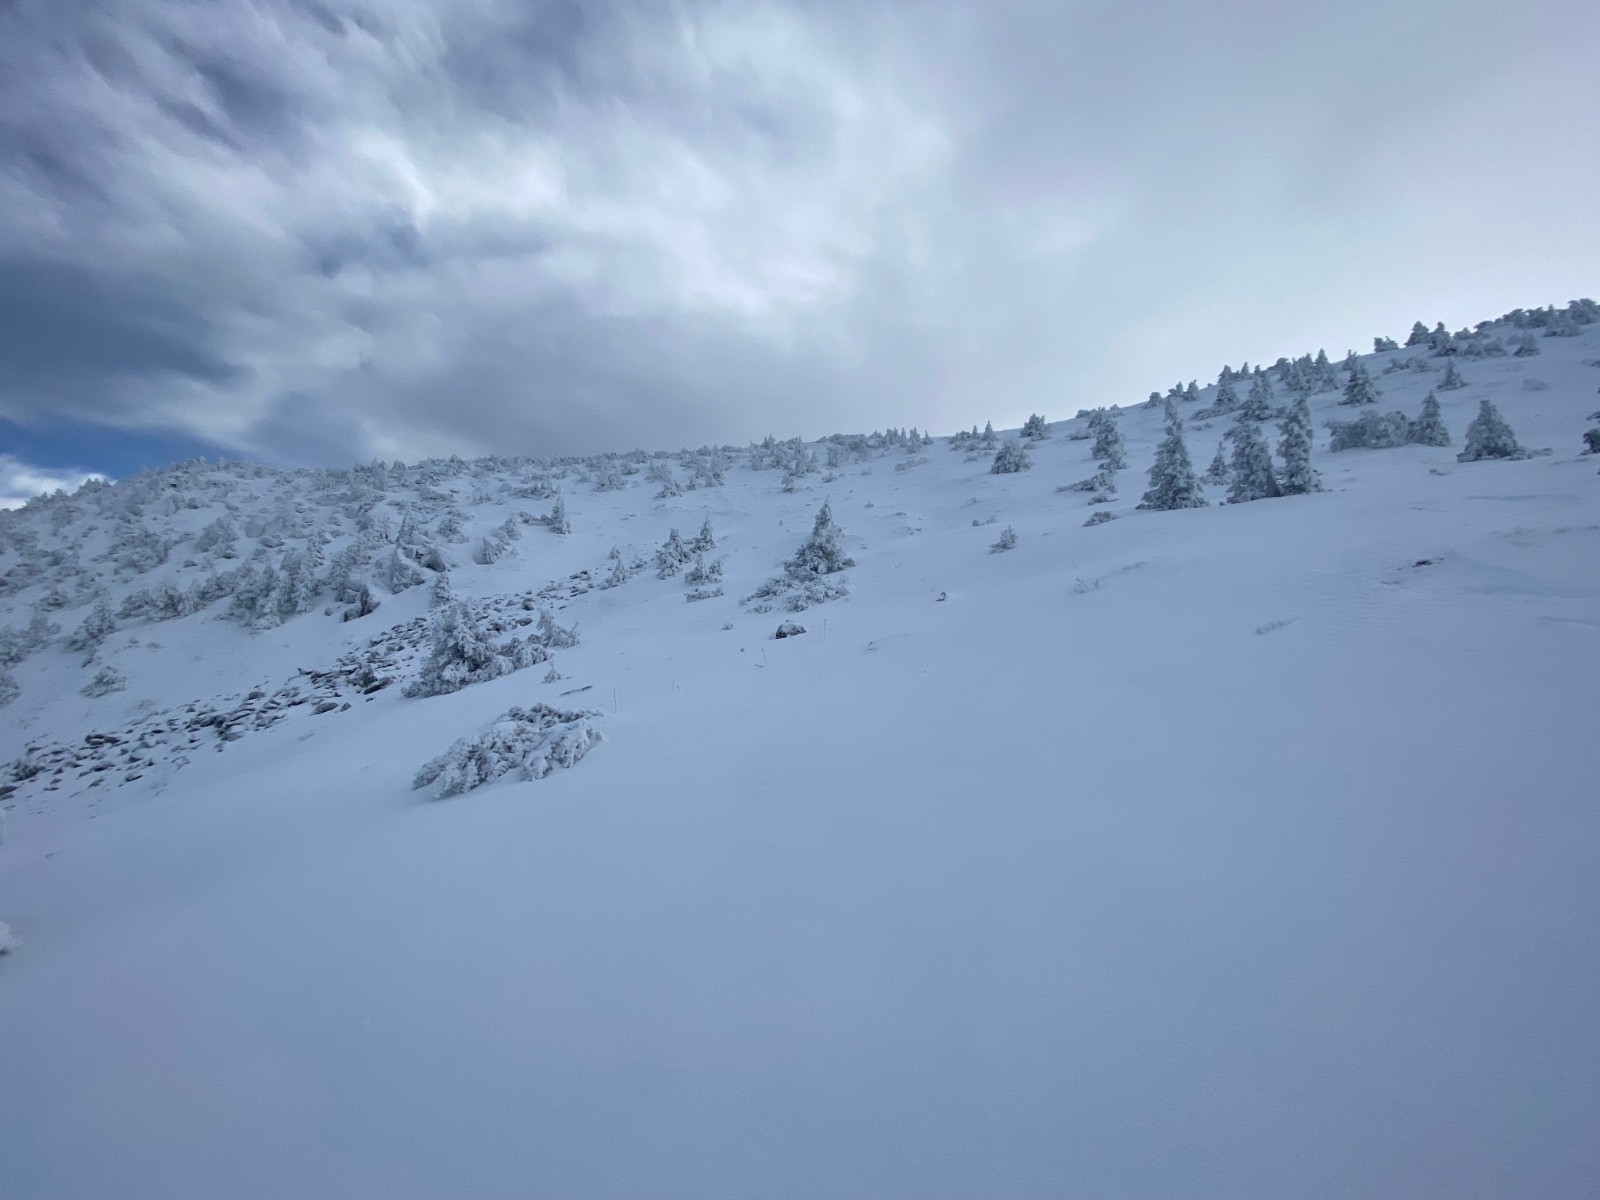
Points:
x=1194, y=797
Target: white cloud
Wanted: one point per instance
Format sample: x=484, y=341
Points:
x=21, y=482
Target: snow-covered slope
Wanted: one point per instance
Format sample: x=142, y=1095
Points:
x=1248, y=850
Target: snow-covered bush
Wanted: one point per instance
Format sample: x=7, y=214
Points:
x=1488, y=436
x=1371, y=431
x=1452, y=378
x=1034, y=428
x=100, y=624
x=1013, y=457
x=556, y=637
x=9, y=688
x=530, y=741
x=704, y=579
x=1008, y=540
x=105, y=681
x=462, y=653
x=1100, y=518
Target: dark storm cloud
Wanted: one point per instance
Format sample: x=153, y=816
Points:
x=322, y=230
x=66, y=325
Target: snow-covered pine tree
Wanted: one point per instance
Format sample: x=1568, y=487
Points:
x=1324, y=378
x=440, y=593
x=1033, y=428
x=704, y=541
x=1108, y=449
x=1294, y=444
x=1452, y=379
x=1172, y=479
x=823, y=552
x=1258, y=403
x=1358, y=387
x=1227, y=400
x=558, y=520
x=1217, y=472
x=1527, y=346
x=1428, y=429
x=1488, y=436
x=1419, y=335
x=1008, y=541
x=1252, y=476
x=618, y=572
x=461, y=654
x=671, y=556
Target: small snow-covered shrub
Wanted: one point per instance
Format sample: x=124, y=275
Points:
x=1370, y=431
x=1008, y=541
x=530, y=741
x=9, y=688
x=1013, y=457
x=105, y=681
x=1100, y=518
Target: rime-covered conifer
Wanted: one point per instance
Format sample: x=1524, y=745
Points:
x=1252, y=476
x=1217, y=472
x=1108, y=449
x=671, y=556
x=1294, y=445
x=1227, y=400
x=1428, y=429
x=1172, y=479
x=461, y=654
x=1488, y=436
x=1358, y=386
x=1258, y=403
x=1452, y=378
x=823, y=552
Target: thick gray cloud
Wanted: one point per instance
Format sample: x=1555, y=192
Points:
x=320, y=230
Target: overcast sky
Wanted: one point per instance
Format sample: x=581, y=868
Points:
x=319, y=231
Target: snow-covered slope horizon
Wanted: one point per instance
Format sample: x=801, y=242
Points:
x=1237, y=850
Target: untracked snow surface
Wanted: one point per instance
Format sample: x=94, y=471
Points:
x=1240, y=851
